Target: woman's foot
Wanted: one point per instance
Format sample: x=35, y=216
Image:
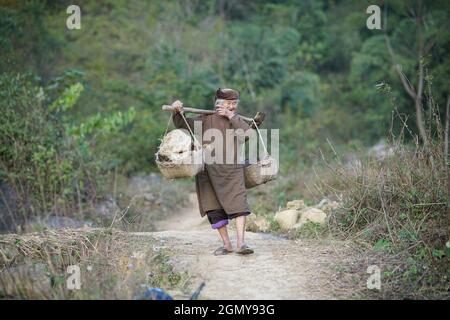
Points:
x=244, y=249
x=223, y=250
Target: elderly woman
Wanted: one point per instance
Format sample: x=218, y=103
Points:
x=220, y=187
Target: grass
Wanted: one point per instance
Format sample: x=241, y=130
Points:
x=112, y=264
x=397, y=206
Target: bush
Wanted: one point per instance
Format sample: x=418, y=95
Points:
x=46, y=161
x=398, y=204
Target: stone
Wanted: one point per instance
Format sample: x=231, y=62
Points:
x=262, y=224
x=287, y=218
x=296, y=204
x=330, y=206
x=335, y=205
x=253, y=223
x=142, y=184
x=314, y=215
x=107, y=208
x=381, y=151
x=56, y=222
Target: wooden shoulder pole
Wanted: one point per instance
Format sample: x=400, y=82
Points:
x=259, y=117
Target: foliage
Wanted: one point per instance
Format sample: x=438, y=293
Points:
x=398, y=203
x=46, y=158
x=316, y=58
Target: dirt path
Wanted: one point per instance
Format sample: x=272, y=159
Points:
x=279, y=268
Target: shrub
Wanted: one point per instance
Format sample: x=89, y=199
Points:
x=398, y=204
x=46, y=159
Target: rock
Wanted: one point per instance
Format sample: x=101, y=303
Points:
x=296, y=204
x=107, y=208
x=314, y=215
x=381, y=150
x=335, y=205
x=150, y=197
x=250, y=223
x=145, y=198
x=327, y=205
x=257, y=224
x=262, y=224
x=57, y=222
x=142, y=184
x=146, y=202
x=298, y=225
x=287, y=218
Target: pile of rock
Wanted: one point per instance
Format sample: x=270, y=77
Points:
x=295, y=215
x=256, y=223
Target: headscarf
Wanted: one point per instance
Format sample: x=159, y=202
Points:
x=226, y=94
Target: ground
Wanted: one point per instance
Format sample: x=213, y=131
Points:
x=280, y=268
x=178, y=257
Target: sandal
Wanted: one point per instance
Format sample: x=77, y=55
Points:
x=245, y=249
x=222, y=251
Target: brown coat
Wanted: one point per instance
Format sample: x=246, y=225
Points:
x=220, y=186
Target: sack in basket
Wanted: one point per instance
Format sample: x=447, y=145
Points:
x=260, y=172
x=179, y=156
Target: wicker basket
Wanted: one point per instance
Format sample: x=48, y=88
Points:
x=183, y=160
x=172, y=170
x=254, y=173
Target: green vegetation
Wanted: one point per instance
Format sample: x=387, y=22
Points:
x=46, y=156
x=398, y=206
x=311, y=65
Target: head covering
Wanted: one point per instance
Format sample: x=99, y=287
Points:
x=226, y=94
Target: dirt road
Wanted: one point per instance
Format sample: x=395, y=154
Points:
x=279, y=269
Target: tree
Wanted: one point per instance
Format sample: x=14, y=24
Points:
x=425, y=39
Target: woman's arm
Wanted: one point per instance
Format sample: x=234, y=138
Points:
x=178, y=120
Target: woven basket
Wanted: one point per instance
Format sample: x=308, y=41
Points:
x=254, y=173
x=179, y=156
x=184, y=169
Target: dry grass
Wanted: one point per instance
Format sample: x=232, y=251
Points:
x=113, y=265
x=398, y=205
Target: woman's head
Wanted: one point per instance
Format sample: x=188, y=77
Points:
x=228, y=98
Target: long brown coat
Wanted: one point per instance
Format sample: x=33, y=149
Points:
x=220, y=186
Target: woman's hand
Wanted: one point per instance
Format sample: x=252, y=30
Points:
x=223, y=111
x=178, y=105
